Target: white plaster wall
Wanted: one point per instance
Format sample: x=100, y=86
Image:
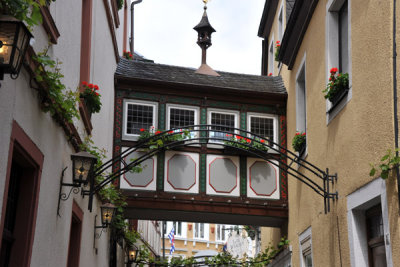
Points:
x=20, y=102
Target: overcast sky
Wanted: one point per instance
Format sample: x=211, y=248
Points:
x=164, y=33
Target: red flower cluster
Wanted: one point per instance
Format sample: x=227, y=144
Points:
x=93, y=87
x=142, y=130
x=334, y=70
x=270, y=74
x=303, y=134
x=278, y=43
x=128, y=55
x=157, y=132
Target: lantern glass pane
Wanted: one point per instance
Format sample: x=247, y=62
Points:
x=107, y=214
x=7, y=35
x=21, y=43
x=82, y=168
x=132, y=255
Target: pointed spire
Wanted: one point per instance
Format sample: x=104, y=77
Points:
x=204, y=30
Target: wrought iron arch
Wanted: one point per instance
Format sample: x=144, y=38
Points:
x=205, y=134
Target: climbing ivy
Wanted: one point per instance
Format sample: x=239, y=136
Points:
x=58, y=99
x=25, y=10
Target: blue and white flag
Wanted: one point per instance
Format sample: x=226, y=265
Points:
x=171, y=237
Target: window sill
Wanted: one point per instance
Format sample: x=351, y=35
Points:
x=86, y=117
x=334, y=110
x=49, y=24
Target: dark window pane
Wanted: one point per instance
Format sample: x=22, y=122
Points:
x=138, y=117
x=181, y=117
x=223, y=122
x=262, y=127
x=343, y=39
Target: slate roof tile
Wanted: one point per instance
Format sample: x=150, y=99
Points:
x=183, y=75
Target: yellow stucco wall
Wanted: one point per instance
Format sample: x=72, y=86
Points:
x=191, y=248
x=360, y=134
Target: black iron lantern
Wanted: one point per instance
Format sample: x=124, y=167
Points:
x=82, y=166
x=132, y=254
x=107, y=214
x=14, y=39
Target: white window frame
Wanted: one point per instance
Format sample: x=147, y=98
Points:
x=184, y=107
x=267, y=116
x=227, y=226
x=305, y=237
x=332, y=52
x=184, y=230
x=302, y=72
x=357, y=203
x=126, y=102
x=280, y=23
x=206, y=231
x=271, y=57
x=222, y=111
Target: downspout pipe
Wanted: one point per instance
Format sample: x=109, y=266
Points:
x=132, y=23
x=395, y=108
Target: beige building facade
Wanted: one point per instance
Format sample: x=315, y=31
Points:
x=357, y=37
x=195, y=239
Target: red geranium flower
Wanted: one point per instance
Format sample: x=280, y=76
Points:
x=158, y=132
x=334, y=70
x=262, y=141
x=84, y=83
x=142, y=130
x=97, y=93
x=297, y=133
x=270, y=74
x=171, y=132
x=90, y=85
x=304, y=134
x=248, y=140
x=96, y=87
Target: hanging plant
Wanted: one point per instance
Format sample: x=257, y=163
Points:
x=277, y=48
x=91, y=97
x=337, y=87
x=128, y=55
x=246, y=143
x=299, y=141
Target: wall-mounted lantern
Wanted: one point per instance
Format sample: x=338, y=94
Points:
x=132, y=254
x=82, y=166
x=14, y=40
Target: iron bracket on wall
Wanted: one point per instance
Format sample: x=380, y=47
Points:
x=322, y=182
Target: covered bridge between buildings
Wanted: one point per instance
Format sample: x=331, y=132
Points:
x=209, y=148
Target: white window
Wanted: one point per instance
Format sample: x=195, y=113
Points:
x=271, y=58
x=301, y=103
x=263, y=125
x=306, y=249
x=222, y=232
x=338, y=34
x=180, y=116
x=224, y=121
x=138, y=115
x=368, y=222
x=280, y=23
x=180, y=228
x=200, y=231
x=338, y=52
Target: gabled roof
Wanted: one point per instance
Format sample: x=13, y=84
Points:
x=152, y=72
